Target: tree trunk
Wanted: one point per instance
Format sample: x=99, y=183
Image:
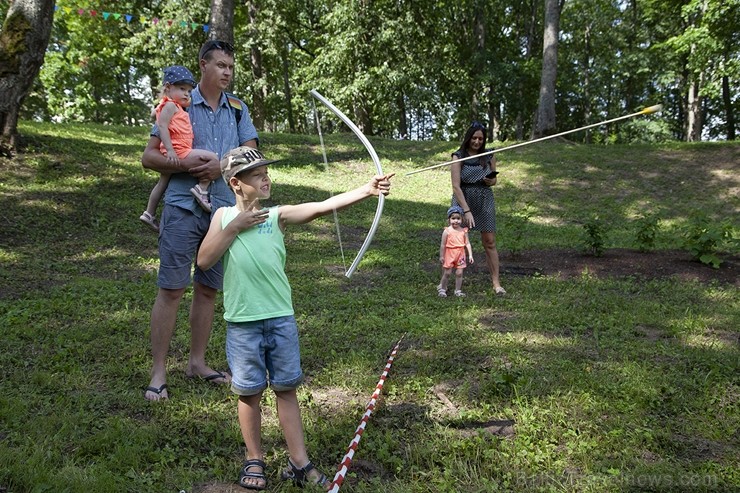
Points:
x=545, y=124
x=360, y=104
x=494, y=117
x=694, y=116
x=682, y=107
x=479, y=31
x=729, y=115
x=287, y=89
x=23, y=41
x=587, y=80
x=362, y=115
x=631, y=90
x=221, y=26
x=259, y=95
x=529, y=47
x=403, y=124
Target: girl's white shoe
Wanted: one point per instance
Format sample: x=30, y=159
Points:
x=150, y=221
x=201, y=196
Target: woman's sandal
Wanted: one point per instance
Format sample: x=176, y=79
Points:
x=245, y=475
x=301, y=475
x=442, y=293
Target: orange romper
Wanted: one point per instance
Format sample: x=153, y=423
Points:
x=181, y=130
x=455, y=248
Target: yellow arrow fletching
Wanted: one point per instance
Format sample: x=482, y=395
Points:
x=652, y=109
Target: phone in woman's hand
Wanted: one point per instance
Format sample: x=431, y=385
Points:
x=492, y=175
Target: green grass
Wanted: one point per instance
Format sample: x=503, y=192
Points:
x=611, y=385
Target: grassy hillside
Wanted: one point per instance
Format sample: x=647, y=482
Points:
x=592, y=384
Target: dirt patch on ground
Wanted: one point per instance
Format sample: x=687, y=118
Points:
x=217, y=488
x=618, y=263
x=334, y=400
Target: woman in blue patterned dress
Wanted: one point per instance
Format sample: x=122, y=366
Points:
x=472, y=180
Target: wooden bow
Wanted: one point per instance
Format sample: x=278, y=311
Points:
x=376, y=160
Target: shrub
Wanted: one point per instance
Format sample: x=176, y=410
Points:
x=594, y=239
x=705, y=238
x=644, y=131
x=647, y=231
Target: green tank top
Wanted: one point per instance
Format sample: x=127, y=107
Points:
x=255, y=284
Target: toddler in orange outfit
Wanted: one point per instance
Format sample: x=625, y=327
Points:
x=454, y=246
x=176, y=133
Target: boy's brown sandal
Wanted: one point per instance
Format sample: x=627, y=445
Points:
x=245, y=474
x=300, y=475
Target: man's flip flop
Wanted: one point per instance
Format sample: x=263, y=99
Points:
x=211, y=378
x=156, y=390
x=215, y=376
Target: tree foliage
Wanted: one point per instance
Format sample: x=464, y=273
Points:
x=415, y=69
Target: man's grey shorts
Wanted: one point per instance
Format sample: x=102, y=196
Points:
x=180, y=235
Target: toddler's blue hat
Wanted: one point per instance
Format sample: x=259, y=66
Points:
x=178, y=73
x=455, y=209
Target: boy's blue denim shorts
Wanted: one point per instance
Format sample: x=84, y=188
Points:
x=180, y=235
x=262, y=353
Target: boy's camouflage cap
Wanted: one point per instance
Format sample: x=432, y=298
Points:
x=242, y=159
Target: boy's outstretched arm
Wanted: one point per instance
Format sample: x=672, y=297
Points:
x=307, y=212
x=219, y=239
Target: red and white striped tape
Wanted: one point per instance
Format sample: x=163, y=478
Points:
x=344, y=465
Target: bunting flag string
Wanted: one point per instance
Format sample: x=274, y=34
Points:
x=129, y=18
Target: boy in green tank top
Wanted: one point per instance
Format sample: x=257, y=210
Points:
x=262, y=336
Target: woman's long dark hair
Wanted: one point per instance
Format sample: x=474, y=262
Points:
x=463, y=151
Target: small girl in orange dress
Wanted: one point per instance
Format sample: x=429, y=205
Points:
x=455, y=245
x=176, y=133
